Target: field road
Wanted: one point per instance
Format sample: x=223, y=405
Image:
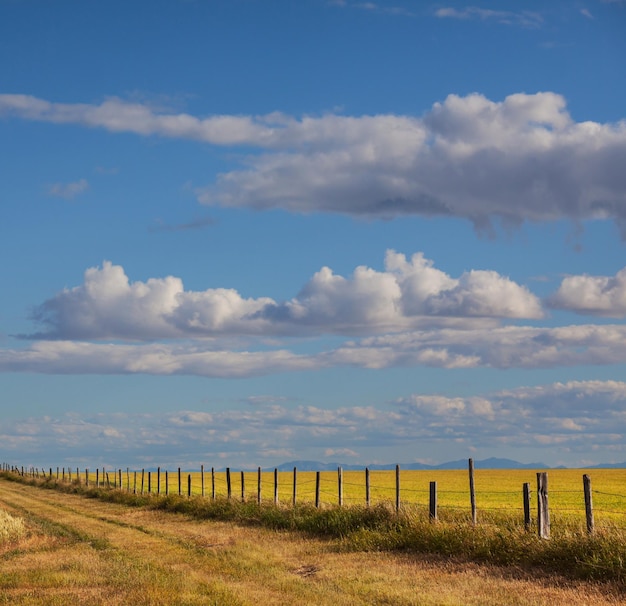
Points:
x=82, y=551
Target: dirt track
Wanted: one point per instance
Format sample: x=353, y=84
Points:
x=89, y=552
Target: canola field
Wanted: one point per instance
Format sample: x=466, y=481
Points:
x=497, y=491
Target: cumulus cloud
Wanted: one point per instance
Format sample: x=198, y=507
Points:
x=596, y=295
x=408, y=293
x=577, y=416
x=520, y=159
x=67, y=190
x=69, y=357
x=504, y=347
x=573, y=415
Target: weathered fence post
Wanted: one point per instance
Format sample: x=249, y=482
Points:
x=432, y=507
x=367, y=486
x=97, y=477
x=472, y=491
x=588, y=503
x=397, y=488
x=143, y=475
x=340, y=485
x=149, y=482
x=243, y=488
x=202, y=479
x=275, y=486
x=526, y=498
x=128, y=479
x=180, y=488
x=158, y=480
x=543, y=514
x=229, y=488
x=134, y=480
x=317, y=489
x=259, y=475
x=189, y=485
x=167, y=483
x=295, y=486
x=86, y=477
x=213, y=483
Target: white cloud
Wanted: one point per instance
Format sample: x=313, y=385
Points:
x=575, y=414
x=407, y=294
x=596, y=295
x=520, y=159
x=575, y=417
x=68, y=190
x=521, y=18
x=504, y=347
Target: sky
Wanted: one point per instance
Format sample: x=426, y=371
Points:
x=244, y=232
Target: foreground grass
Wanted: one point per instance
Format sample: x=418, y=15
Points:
x=499, y=539
x=11, y=528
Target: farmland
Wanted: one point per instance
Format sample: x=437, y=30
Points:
x=106, y=552
x=496, y=490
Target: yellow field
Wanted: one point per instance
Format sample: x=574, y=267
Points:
x=496, y=490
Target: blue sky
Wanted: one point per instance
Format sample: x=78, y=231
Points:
x=244, y=232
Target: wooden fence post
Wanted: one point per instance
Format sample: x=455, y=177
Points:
x=158, y=480
x=128, y=479
x=259, y=475
x=213, y=483
x=143, y=475
x=97, y=477
x=243, y=488
x=472, y=491
x=180, y=488
x=543, y=513
x=367, y=487
x=588, y=503
x=202, y=479
x=275, y=486
x=229, y=492
x=526, y=498
x=134, y=481
x=188, y=485
x=149, y=482
x=340, y=485
x=86, y=477
x=295, y=486
x=432, y=508
x=317, y=489
x=167, y=483
x=397, y=488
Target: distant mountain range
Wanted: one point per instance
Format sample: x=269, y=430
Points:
x=491, y=463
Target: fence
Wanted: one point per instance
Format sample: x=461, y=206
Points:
x=568, y=496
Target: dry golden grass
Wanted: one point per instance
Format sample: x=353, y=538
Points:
x=89, y=552
x=11, y=528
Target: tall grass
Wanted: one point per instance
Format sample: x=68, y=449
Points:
x=499, y=539
x=11, y=528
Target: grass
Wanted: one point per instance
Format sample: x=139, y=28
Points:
x=500, y=537
x=11, y=528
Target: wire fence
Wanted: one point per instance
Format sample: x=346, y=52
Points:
x=479, y=495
